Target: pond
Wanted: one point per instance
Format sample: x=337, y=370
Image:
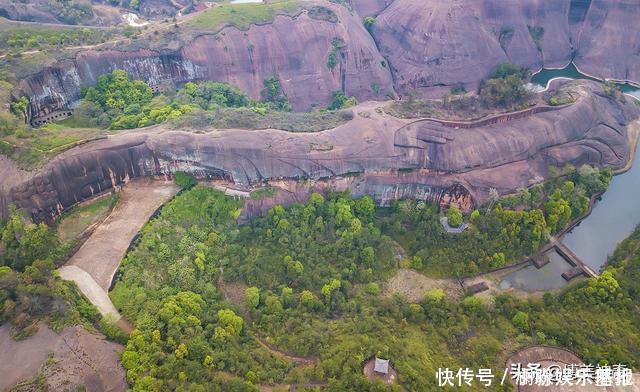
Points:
x=545, y=75
x=613, y=218
x=532, y=279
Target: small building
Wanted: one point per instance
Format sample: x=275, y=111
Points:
x=381, y=366
x=444, y=221
x=380, y=369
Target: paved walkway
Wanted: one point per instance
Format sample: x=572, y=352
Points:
x=92, y=290
x=92, y=267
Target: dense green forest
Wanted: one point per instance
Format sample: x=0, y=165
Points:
x=30, y=290
x=502, y=232
x=118, y=102
x=296, y=297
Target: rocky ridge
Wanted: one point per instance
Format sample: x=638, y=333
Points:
x=380, y=155
x=415, y=45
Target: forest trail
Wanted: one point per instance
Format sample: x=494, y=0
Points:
x=93, y=266
x=297, y=360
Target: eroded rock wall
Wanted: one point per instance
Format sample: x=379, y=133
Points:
x=432, y=43
x=294, y=49
x=424, y=45
x=383, y=156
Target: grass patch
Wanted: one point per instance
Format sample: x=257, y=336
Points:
x=32, y=147
x=73, y=223
x=242, y=15
x=247, y=118
x=18, y=37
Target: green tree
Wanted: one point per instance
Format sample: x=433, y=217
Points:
x=115, y=91
x=19, y=107
x=307, y=298
x=330, y=288
x=455, y=216
x=340, y=101
x=229, y=324
x=368, y=23
x=252, y=297
x=521, y=321
x=274, y=96
x=185, y=180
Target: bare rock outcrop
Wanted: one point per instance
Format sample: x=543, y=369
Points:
x=608, y=40
x=386, y=157
x=294, y=49
x=366, y=8
x=432, y=43
x=71, y=360
x=424, y=45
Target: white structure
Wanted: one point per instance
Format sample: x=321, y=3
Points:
x=381, y=366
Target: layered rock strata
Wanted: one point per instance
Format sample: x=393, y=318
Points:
x=383, y=156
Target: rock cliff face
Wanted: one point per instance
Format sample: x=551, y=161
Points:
x=366, y=8
x=379, y=155
x=426, y=45
x=295, y=49
x=434, y=43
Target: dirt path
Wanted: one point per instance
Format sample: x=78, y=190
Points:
x=92, y=267
x=297, y=360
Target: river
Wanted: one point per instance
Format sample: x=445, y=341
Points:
x=613, y=218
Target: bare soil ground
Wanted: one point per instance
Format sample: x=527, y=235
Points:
x=72, y=360
x=297, y=360
x=233, y=291
x=413, y=285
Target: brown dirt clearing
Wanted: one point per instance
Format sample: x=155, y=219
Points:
x=413, y=285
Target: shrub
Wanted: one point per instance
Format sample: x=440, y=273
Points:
x=185, y=180
x=368, y=22
x=521, y=321
x=455, y=216
x=341, y=101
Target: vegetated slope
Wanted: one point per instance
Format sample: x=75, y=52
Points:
x=316, y=270
x=433, y=43
x=506, y=156
x=311, y=57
